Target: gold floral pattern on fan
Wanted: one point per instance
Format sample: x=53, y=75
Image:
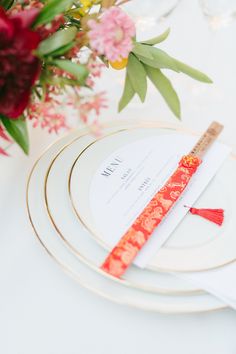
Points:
x=133, y=240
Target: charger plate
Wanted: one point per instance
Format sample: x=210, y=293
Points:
x=102, y=286
x=196, y=244
x=77, y=238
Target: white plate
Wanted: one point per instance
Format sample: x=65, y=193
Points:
x=84, y=275
x=195, y=244
x=78, y=239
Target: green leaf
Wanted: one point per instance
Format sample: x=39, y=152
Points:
x=141, y=49
x=127, y=95
x=6, y=4
x=160, y=59
x=18, y=131
x=165, y=88
x=137, y=76
x=79, y=71
x=61, y=51
x=56, y=41
x=157, y=39
x=51, y=9
x=194, y=73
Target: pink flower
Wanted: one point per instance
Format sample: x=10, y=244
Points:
x=92, y=104
x=95, y=67
x=95, y=70
x=47, y=114
x=112, y=36
x=3, y=136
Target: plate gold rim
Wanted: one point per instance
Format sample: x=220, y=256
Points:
x=105, y=245
x=71, y=273
x=74, y=250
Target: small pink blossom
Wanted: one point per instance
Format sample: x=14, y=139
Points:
x=90, y=82
x=95, y=67
x=47, y=114
x=88, y=108
x=92, y=104
x=95, y=70
x=3, y=152
x=3, y=136
x=112, y=36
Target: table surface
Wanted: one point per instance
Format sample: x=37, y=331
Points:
x=42, y=310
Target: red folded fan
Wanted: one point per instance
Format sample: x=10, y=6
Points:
x=138, y=234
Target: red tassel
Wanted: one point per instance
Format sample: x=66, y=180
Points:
x=214, y=215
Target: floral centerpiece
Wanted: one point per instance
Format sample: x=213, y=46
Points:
x=50, y=49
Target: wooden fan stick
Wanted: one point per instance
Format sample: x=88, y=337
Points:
x=207, y=139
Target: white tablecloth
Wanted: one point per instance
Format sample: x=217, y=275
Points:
x=42, y=310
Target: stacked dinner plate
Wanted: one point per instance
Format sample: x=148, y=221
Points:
x=59, y=208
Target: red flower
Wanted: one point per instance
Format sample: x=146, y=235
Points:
x=19, y=68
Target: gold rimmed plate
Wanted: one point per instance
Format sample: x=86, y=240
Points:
x=70, y=229
x=85, y=275
x=195, y=245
